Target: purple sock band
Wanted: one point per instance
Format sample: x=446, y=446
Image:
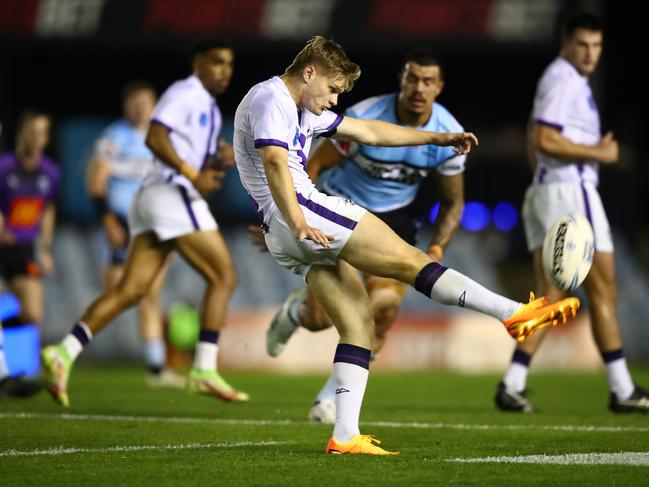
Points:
x=80, y=334
x=613, y=355
x=428, y=276
x=352, y=354
x=521, y=357
x=208, y=336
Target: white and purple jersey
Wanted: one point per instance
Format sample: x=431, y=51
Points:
x=267, y=115
x=193, y=119
x=565, y=101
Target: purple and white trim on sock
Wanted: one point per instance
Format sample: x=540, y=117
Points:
x=352, y=354
x=428, y=276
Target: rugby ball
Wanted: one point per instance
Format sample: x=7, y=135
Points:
x=568, y=250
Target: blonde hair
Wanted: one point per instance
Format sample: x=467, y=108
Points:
x=328, y=55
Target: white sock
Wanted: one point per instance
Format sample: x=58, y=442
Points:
x=328, y=391
x=155, y=352
x=206, y=355
x=457, y=289
x=78, y=338
x=516, y=376
x=4, y=369
x=619, y=378
x=350, y=381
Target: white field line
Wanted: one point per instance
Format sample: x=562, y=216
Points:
x=60, y=450
x=287, y=422
x=635, y=459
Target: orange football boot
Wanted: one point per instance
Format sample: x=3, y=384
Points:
x=358, y=445
x=539, y=314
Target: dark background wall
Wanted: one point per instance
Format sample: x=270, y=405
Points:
x=74, y=70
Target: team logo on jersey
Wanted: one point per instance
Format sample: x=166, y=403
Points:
x=296, y=137
x=203, y=119
x=25, y=211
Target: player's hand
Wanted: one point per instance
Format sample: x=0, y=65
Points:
x=225, y=155
x=305, y=232
x=462, y=142
x=115, y=231
x=435, y=252
x=609, y=149
x=7, y=238
x=257, y=237
x=208, y=180
x=46, y=262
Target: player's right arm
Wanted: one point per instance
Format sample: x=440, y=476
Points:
x=324, y=157
x=279, y=178
x=551, y=141
x=552, y=111
x=158, y=140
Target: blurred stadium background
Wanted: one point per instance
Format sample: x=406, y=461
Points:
x=72, y=58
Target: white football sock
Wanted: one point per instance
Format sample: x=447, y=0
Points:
x=457, y=289
x=619, y=378
x=516, y=376
x=350, y=381
x=73, y=344
x=328, y=391
x=206, y=356
x=155, y=352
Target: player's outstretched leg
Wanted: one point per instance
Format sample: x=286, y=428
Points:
x=375, y=249
x=145, y=258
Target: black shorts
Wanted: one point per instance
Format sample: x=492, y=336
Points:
x=404, y=222
x=18, y=260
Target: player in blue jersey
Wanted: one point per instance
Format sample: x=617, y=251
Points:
x=119, y=164
x=384, y=180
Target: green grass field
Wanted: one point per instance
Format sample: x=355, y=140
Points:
x=119, y=432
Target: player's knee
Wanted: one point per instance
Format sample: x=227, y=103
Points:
x=385, y=306
x=314, y=319
x=602, y=287
x=133, y=294
x=31, y=314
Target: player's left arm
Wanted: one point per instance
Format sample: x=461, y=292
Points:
x=451, y=205
x=379, y=133
x=45, y=239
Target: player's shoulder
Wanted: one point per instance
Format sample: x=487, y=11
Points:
x=7, y=162
x=271, y=94
x=188, y=88
x=372, y=107
x=561, y=73
x=49, y=167
x=117, y=129
x=443, y=120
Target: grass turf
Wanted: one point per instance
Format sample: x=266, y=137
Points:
x=429, y=417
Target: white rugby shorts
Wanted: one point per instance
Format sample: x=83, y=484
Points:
x=169, y=210
x=333, y=215
x=545, y=203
